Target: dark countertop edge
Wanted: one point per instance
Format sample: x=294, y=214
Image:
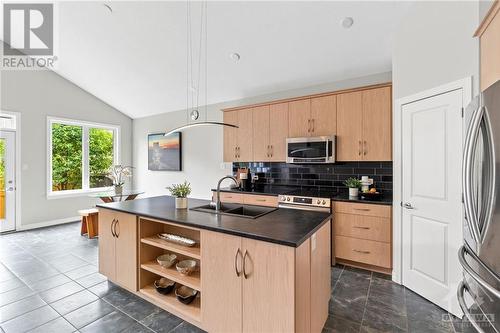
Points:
x=385, y=202
x=225, y=231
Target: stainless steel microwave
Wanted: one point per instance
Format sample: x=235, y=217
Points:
x=320, y=149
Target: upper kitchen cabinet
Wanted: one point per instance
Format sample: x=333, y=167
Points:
x=316, y=116
x=364, y=127
x=489, y=39
x=270, y=130
x=238, y=143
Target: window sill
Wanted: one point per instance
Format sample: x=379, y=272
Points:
x=76, y=193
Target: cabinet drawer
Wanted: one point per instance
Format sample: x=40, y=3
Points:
x=364, y=251
x=364, y=227
x=362, y=209
x=260, y=200
x=230, y=197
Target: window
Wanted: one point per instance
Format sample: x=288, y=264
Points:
x=80, y=155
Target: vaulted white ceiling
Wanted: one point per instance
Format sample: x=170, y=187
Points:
x=134, y=58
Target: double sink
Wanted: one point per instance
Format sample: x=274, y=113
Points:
x=247, y=211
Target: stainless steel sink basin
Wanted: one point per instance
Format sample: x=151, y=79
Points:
x=247, y=211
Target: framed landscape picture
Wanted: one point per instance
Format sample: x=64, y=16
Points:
x=165, y=152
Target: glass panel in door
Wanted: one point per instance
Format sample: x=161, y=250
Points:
x=7, y=181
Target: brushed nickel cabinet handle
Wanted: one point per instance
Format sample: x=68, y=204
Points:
x=364, y=252
x=111, y=227
x=238, y=253
x=244, y=265
x=235, y=152
x=359, y=148
x=308, y=125
x=365, y=151
x=260, y=200
x=272, y=150
x=312, y=121
x=362, y=209
x=364, y=228
x=117, y=223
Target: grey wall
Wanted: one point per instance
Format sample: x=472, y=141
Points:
x=434, y=45
x=36, y=95
x=203, y=146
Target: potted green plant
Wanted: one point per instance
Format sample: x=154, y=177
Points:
x=118, y=174
x=180, y=192
x=353, y=184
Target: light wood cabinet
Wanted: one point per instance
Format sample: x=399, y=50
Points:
x=247, y=284
x=238, y=142
x=261, y=126
x=364, y=125
x=489, y=40
x=299, y=118
x=363, y=235
x=324, y=115
x=278, y=131
x=118, y=247
x=247, y=199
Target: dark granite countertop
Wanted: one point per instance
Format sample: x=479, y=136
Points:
x=283, y=226
x=277, y=190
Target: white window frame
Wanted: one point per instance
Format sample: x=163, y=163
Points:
x=86, y=125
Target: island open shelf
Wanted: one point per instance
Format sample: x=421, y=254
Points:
x=191, y=281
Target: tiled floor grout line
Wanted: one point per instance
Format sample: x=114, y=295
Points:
x=338, y=279
x=366, y=302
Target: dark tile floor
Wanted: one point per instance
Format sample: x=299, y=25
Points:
x=49, y=283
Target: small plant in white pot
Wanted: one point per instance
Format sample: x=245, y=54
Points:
x=180, y=192
x=353, y=184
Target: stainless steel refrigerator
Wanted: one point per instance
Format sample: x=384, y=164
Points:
x=479, y=291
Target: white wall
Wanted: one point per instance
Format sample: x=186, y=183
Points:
x=203, y=146
x=36, y=95
x=434, y=45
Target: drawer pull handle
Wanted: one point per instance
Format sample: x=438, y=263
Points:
x=364, y=252
x=364, y=228
x=362, y=209
x=261, y=200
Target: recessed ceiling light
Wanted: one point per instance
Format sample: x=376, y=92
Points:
x=234, y=57
x=347, y=22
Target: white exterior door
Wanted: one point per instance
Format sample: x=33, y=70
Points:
x=432, y=197
x=7, y=181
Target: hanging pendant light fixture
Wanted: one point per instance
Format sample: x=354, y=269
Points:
x=194, y=113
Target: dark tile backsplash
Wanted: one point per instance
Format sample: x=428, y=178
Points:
x=323, y=176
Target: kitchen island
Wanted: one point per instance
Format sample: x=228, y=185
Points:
x=269, y=274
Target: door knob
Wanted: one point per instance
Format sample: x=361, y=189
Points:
x=10, y=189
x=408, y=205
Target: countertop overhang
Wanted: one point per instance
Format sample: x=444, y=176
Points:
x=283, y=226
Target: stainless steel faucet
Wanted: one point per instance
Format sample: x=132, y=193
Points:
x=217, y=202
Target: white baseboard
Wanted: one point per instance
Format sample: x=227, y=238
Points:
x=48, y=223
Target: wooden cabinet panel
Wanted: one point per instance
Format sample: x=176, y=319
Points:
x=490, y=47
x=278, y=124
x=270, y=271
x=377, y=124
x=364, y=227
x=261, y=143
x=362, y=209
x=364, y=251
x=245, y=135
x=324, y=115
x=230, y=197
x=349, y=126
x=320, y=277
x=126, y=250
x=107, y=265
x=230, y=136
x=260, y=200
x=299, y=115
x=222, y=299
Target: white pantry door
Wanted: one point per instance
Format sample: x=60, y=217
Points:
x=432, y=199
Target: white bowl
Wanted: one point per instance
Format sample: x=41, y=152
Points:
x=186, y=267
x=167, y=260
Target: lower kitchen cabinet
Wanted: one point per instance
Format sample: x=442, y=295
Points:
x=118, y=247
x=249, y=284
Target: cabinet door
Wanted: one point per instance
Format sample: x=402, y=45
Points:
x=320, y=277
x=270, y=270
x=245, y=133
x=107, y=244
x=126, y=251
x=324, y=115
x=377, y=124
x=349, y=118
x=221, y=302
x=261, y=145
x=230, y=136
x=299, y=116
x=278, y=124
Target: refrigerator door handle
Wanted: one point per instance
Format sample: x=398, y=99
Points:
x=470, y=216
x=462, y=287
x=461, y=258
